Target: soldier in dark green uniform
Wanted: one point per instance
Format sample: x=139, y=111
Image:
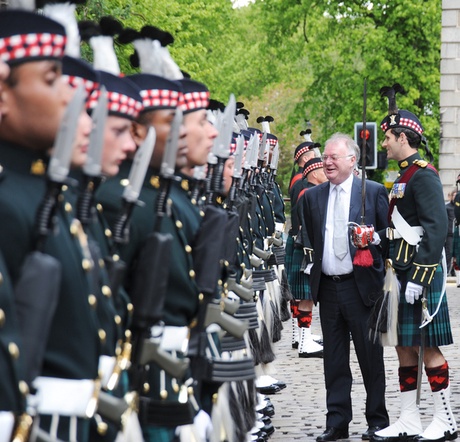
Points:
x=313, y=174
x=304, y=152
x=161, y=97
x=112, y=301
x=417, y=236
x=12, y=388
x=32, y=105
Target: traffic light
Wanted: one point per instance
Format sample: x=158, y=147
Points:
x=371, y=144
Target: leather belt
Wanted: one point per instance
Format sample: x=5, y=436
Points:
x=337, y=278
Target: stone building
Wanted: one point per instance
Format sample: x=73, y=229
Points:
x=449, y=158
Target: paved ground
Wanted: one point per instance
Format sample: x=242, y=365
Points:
x=301, y=407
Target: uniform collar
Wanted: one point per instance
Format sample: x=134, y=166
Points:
x=404, y=164
x=21, y=160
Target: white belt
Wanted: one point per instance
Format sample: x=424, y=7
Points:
x=410, y=234
x=6, y=425
x=106, y=368
x=65, y=397
x=171, y=338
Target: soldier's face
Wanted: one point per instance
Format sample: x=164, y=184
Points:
x=4, y=72
x=32, y=104
x=118, y=143
x=81, y=144
x=392, y=146
x=200, y=137
x=161, y=120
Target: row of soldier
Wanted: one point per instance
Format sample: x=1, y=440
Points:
x=142, y=253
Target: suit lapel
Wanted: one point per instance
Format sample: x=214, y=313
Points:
x=355, y=201
x=323, y=197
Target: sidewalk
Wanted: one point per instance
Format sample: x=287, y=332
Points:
x=301, y=407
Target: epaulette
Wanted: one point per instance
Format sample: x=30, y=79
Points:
x=421, y=163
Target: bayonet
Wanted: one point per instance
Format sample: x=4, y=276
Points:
x=59, y=165
x=92, y=167
x=139, y=167
x=131, y=192
x=222, y=149
x=168, y=163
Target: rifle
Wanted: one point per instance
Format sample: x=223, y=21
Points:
x=37, y=291
x=151, y=278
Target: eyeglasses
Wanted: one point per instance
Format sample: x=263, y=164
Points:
x=334, y=157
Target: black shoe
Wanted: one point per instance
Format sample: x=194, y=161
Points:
x=314, y=354
x=401, y=437
x=268, y=411
x=332, y=433
x=370, y=432
x=280, y=384
x=295, y=345
x=447, y=436
x=269, y=389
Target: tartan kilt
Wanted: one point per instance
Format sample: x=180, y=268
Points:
x=438, y=332
x=289, y=251
x=299, y=281
x=456, y=245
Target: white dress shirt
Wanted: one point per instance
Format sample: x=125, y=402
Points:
x=331, y=264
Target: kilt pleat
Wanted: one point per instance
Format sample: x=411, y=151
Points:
x=438, y=332
x=289, y=250
x=299, y=281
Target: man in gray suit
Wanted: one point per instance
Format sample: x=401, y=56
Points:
x=344, y=290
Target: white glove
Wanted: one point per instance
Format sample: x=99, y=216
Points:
x=376, y=239
x=413, y=292
x=308, y=268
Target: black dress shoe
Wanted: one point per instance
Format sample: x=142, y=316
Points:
x=332, y=433
x=370, y=432
x=269, y=389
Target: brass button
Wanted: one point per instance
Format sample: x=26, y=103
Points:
x=92, y=300
x=192, y=274
x=2, y=318
x=200, y=297
x=188, y=249
x=146, y=387
x=73, y=229
x=163, y=394
x=108, y=233
x=13, y=350
x=99, y=208
x=117, y=319
x=106, y=291
x=130, y=308
x=102, y=335
x=86, y=264
x=68, y=207
x=23, y=387
x=178, y=224
x=124, y=182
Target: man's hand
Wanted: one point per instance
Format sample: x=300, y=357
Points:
x=413, y=292
x=361, y=236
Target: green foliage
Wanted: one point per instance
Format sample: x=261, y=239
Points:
x=300, y=60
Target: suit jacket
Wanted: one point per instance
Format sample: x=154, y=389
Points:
x=368, y=279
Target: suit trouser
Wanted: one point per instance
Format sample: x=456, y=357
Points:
x=342, y=312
